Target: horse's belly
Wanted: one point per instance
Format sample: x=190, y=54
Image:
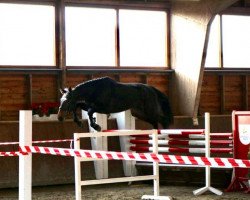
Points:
x=113, y=108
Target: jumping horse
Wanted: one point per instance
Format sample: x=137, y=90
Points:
x=106, y=96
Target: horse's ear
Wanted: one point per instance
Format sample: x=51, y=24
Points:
x=70, y=89
x=62, y=91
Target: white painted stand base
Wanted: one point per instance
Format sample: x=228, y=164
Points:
x=205, y=189
x=156, y=197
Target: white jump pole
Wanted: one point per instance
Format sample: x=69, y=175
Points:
x=99, y=143
x=126, y=121
x=156, y=170
x=208, y=168
x=25, y=161
x=78, y=188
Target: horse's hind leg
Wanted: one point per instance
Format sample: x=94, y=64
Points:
x=92, y=120
x=141, y=115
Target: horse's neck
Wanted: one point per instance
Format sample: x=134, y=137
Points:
x=81, y=92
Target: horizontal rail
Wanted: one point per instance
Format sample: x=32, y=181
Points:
x=180, y=150
x=116, y=133
x=182, y=142
x=118, y=180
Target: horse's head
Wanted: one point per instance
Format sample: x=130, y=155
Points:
x=67, y=103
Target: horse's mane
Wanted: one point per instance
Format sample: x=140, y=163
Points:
x=91, y=82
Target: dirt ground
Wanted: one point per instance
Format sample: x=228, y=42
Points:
x=118, y=192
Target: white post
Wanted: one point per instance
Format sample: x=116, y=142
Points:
x=78, y=188
x=156, y=173
x=25, y=161
x=99, y=143
x=126, y=121
x=207, y=148
x=156, y=165
x=208, y=168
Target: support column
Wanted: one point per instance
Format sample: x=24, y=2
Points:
x=25, y=161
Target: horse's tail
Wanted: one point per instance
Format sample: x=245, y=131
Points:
x=166, y=108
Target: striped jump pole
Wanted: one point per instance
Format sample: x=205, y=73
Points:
x=181, y=150
x=182, y=142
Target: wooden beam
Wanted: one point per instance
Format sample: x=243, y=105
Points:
x=222, y=94
x=117, y=40
x=189, y=49
x=60, y=40
x=245, y=92
x=29, y=89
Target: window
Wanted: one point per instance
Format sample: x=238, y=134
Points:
x=90, y=36
x=235, y=48
x=214, y=47
x=27, y=34
x=143, y=36
x=236, y=40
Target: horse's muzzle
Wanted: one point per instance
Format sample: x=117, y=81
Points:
x=60, y=118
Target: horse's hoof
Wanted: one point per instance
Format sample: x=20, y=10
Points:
x=97, y=128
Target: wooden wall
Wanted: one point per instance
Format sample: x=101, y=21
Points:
x=19, y=91
x=224, y=92
x=221, y=92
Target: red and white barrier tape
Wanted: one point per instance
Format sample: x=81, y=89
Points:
x=13, y=153
x=148, y=157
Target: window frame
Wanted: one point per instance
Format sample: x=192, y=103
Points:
x=132, y=6
x=236, y=11
x=42, y=3
x=60, y=51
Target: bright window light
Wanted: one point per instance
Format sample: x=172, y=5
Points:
x=213, y=49
x=236, y=41
x=143, y=37
x=90, y=36
x=27, y=34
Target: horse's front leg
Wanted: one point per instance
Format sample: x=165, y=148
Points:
x=93, y=120
x=76, y=119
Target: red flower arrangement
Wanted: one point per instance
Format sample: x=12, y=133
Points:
x=45, y=108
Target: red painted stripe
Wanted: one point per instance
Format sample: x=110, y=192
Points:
x=57, y=151
x=130, y=155
x=98, y=155
x=38, y=149
x=192, y=160
x=67, y=152
x=180, y=160
x=135, y=148
x=219, y=161
x=155, y=157
x=109, y=155
x=142, y=156
x=120, y=156
x=77, y=153
x=205, y=161
x=88, y=155
x=246, y=162
x=181, y=142
x=180, y=150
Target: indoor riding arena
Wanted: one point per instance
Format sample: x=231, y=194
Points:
x=124, y=99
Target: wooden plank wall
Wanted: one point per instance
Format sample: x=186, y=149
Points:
x=221, y=94
x=20, y=91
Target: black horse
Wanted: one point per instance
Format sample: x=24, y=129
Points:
x=106, y=96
